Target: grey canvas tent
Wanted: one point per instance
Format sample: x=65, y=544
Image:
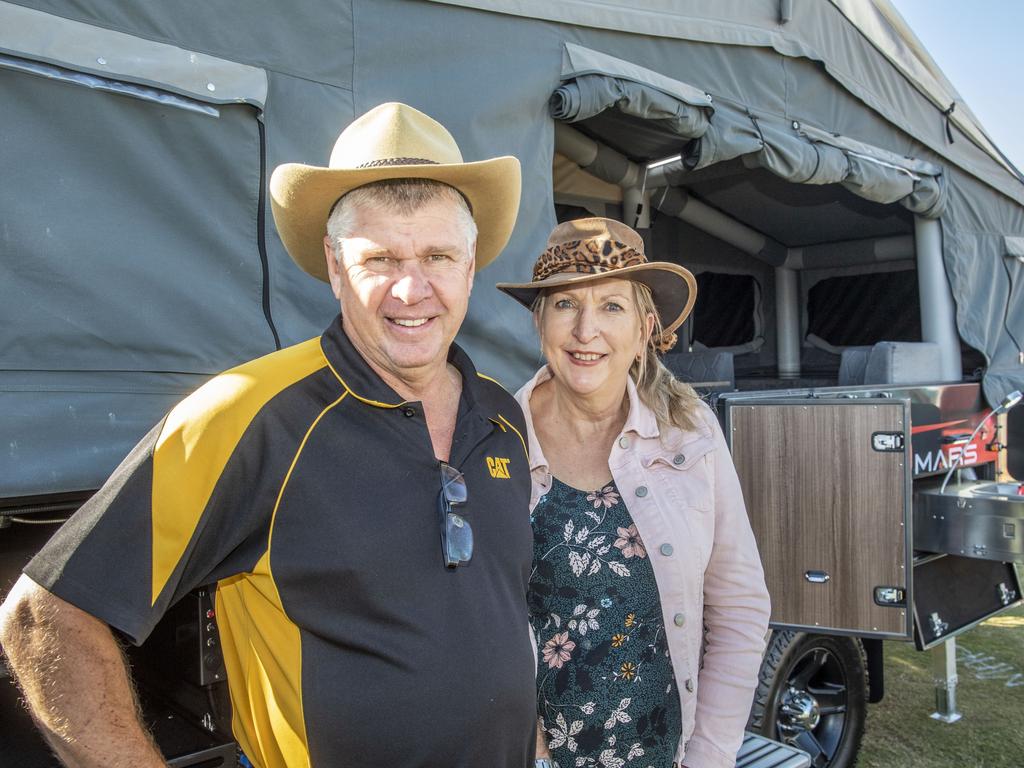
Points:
x=779, y=144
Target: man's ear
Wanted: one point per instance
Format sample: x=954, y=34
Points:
x=472, y=266
x=333, y=267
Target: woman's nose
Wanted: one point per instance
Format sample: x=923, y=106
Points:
x=586, y=325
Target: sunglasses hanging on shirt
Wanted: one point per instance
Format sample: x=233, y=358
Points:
x=456, y=533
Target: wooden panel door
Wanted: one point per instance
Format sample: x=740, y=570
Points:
x=829, y=509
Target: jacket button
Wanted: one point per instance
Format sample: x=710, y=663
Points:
x=641, y=491
x=623, y=442
x=679, y=458
x=666, y=550
x=679, y=619
x=688, y=685
x=408, y=412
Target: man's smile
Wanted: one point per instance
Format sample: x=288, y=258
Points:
x=409, y=322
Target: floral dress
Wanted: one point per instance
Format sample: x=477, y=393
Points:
x=606, y=693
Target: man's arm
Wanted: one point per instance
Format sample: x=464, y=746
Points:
x=75, y=681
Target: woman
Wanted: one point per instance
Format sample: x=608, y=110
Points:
x=647, y=595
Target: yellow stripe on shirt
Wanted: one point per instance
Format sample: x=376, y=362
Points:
x=198, y=438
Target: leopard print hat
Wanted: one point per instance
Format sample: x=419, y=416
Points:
x=591, y=249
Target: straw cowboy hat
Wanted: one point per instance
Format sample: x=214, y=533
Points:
x=392, y=141
x=584, y=250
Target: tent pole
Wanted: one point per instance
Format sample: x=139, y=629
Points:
x=787, y=323
x=636, y=212
x=938, y=312
x=636, y=208
x=613, y=167
x=845, y=253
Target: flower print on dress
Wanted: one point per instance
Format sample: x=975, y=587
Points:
x=606, y=496
x=614, y=616
x=558, y=650
x=563, y=733
x=628, y=670
x=630, y=543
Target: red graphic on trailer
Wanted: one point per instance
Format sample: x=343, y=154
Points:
x=938, y=446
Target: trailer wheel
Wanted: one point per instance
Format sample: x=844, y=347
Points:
x=812, y=693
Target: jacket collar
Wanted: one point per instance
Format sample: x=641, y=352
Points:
x=363, y=383
x=640, y=420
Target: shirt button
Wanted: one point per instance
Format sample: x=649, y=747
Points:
x=641, y=491
x=623, y=442
x=408, y=412
x=666, y=550
x=679, y=619
x=679, y=458
x=688, y=685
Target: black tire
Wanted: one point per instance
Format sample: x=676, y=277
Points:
x=812, y=693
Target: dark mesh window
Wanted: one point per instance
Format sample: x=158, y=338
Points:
x=864, y=309
x=724, y=313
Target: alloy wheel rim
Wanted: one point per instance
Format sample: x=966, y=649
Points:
x=811, y=708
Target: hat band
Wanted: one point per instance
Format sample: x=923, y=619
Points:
x=586, y=257
x=384, y=161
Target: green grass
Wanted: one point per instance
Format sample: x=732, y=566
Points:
x=990, y=696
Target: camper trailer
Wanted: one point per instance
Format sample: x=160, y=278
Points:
x=857, y=239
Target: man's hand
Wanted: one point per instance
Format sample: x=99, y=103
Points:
x=75, y=681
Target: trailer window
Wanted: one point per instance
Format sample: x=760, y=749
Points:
x=725, y=312
x=857, y=310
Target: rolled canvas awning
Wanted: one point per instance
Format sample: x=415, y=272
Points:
x=655, y=113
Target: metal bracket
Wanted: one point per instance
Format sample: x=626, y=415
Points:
x=939, y=627
x=888, y=442
x=890, y=597
x=1006, y=594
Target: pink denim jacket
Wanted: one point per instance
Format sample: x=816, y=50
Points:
x=683, y=494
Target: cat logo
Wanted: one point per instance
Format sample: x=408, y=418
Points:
x=498, y=467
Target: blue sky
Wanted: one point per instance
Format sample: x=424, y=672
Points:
x=980, y=47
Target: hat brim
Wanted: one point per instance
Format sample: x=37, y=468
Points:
x=673, y=288
x=301, y=197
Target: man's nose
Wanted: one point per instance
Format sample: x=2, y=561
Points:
x=412, y=286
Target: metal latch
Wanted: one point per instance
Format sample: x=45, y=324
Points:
x=817, y=577
x=888, y=442
x=939, y=627
x=1006, y=594
x=890, y=596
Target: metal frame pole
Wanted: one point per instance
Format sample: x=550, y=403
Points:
x=938, y=311
x=945, y=678
x=787, y=323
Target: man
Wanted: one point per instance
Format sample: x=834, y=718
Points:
x=359, y=499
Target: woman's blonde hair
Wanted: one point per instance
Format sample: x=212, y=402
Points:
x=673, y=402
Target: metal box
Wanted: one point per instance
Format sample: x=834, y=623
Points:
x=953, y=594
x=975, y=519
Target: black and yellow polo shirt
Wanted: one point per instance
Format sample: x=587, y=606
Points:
x=307, y=490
